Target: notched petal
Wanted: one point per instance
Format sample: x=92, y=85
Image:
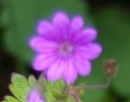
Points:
x=52, y=72
x=89, y=51
x=70, y=74
x=40, y=44
x=42, y=62
x=60, y=19
x=90, y=33
x=77, y=23
x=44, y=27
x=83, y=66
x=93, y=50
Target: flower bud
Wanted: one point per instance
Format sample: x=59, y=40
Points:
x=110, y=68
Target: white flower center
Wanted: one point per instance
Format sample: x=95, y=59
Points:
x=65, y=49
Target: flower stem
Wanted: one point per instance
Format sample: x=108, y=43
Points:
x=103, y=86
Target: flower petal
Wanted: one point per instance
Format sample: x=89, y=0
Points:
x=40, y=44
x=34, y=96
x=93, y=51
x=90, y=51
x=48, y=31
x=60, y=20
x=86, y=36
x=56, y=70
x=77, y=23
x=90, y=34
x=44, y=27
x=31, y=97
x=43, y=61
x=70, y=73
x=83, y=66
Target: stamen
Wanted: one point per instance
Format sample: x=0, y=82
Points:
x=65, y=49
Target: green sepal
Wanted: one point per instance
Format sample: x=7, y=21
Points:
x=81, y=91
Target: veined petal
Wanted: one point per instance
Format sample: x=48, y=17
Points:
x=83, y=66
x=70, y=73
x=43, y=61
x=90, y=51
x=77, y=23
x=93, y=50
x=40, y=44
x=86, y=36
x=60, y=20
x=48, y=31
x=44, y=27
x=90, y=34
x=56, y=70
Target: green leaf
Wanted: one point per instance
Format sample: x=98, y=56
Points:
x=20, y=87
x=51, y=91
x=10, y=99
x=31, y=80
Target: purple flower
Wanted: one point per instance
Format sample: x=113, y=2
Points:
x=64, y=48
x=34, y=96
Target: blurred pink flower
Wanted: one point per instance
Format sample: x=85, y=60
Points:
x=64, y=49
x=34, y=96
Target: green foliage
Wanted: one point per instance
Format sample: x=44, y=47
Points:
x=20, y=88
x=52, y=91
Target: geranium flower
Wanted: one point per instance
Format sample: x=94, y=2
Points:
x=64, y=48
x=34, y=96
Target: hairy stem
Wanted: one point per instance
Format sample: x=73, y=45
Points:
x=103, y=86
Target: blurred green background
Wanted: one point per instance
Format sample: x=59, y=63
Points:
x=112, y=19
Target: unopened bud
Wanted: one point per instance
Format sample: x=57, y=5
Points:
x=110, y=68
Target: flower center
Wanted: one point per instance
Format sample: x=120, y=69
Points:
x=65, y=49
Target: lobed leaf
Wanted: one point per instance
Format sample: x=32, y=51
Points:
x=19, y=87
x=10, y=99
x=52, y=91
x=31, y=80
